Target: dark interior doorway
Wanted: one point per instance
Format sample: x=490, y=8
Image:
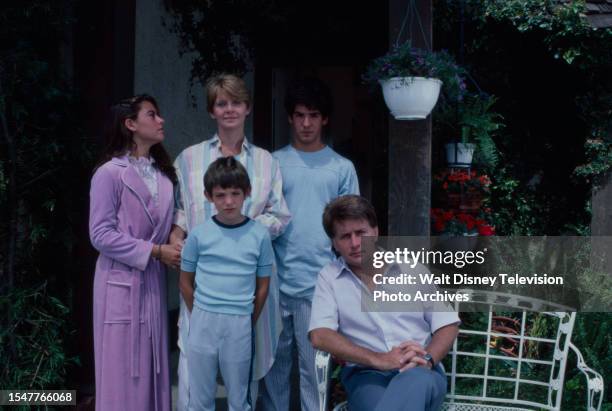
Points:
x=333, y=41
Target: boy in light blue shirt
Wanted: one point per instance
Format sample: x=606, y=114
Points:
x=230, y=259
x=313, y=175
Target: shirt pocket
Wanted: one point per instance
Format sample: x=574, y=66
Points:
x=119, y=298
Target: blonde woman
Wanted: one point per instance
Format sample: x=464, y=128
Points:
x=229, y=104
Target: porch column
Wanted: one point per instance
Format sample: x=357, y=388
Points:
x=410, y=141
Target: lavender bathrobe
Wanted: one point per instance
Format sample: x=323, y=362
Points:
x=130, y=315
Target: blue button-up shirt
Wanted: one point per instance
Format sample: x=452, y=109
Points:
x=337, y=304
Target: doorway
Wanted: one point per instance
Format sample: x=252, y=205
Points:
x=333, y=41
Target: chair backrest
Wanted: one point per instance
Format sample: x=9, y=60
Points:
x=513, y=351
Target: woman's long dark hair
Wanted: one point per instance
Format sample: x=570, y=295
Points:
x=119, y=139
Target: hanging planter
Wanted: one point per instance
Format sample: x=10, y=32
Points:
x=459, y=154
x=412, y=80
x=411, y=98
x=472, y=124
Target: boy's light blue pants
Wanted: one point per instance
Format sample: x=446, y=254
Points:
x=219, y=341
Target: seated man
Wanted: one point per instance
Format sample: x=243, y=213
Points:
x=393, y=357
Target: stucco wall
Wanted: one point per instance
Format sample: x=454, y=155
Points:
x=160, y=71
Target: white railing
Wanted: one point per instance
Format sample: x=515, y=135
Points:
x=521, y=361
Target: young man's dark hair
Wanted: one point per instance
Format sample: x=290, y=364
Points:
x=310, y=92
x=348, y=207
x=226, y=172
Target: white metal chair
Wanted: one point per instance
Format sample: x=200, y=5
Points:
x=518, y=364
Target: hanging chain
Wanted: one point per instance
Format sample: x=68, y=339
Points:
x=412, y=13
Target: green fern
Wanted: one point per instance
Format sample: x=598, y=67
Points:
x=478, y=124
x=472, y=121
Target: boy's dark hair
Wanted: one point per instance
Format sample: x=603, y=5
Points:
x=310, y=92
x=348, y=207
x=226, y=172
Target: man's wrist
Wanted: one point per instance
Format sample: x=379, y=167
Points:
x=430, y=360
x=374, y=359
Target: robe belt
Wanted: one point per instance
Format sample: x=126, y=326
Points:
x=154, y=309
x=151, y=306
x=135, y=322
x=154, y=323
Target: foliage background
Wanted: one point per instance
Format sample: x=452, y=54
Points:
x=45, y=163
x=550, y=73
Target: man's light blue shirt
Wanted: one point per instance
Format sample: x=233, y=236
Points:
x=226, y=260
x=310, y=181
x=337, y=305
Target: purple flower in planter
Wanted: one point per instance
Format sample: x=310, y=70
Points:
x=408, y=61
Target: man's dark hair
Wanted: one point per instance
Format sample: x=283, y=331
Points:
x=226, y=172
x=310, y=92
x=348, y=207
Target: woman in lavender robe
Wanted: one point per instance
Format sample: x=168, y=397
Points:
x=130, y=218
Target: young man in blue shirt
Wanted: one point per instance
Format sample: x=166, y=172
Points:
x=313, y=174
x=230, y=258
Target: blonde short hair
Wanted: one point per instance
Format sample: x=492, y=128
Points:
x=233, y=85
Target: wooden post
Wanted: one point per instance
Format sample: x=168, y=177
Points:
x=410, y=141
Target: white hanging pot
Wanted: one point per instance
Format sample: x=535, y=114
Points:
x=459, y=154
x=411, y=98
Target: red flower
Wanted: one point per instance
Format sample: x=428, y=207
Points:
x=463, y=217
x=466, y=219
x=484, y=180
x=486, y=230
x=439, y=225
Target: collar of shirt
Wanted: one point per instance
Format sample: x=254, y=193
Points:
x=143, y=161
x=216, y=142
x=343, y=269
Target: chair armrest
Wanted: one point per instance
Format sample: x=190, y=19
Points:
x=322, y=361
x=595, y=382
